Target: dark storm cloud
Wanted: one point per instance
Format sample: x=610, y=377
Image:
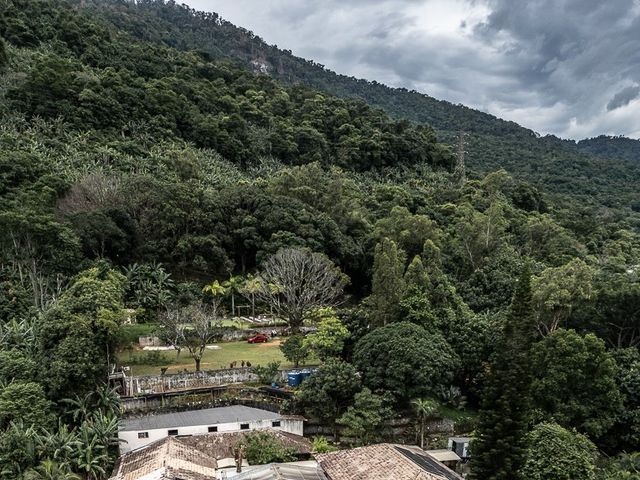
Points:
x=577, y=54
x=623, y=97
x=569, y=67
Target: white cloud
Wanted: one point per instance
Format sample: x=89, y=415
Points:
x=550, y=65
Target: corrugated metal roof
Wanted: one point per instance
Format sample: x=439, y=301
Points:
x=279, y=471
x=428, y=463
x=444, y=455
x=209, y=416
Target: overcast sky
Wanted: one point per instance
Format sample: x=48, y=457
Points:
x=567, y=67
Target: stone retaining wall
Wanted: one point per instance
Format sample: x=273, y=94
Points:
x=146, y=384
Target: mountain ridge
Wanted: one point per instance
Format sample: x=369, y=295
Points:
x=559, y=167
x=268, y=58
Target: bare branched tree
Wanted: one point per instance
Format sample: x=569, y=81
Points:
x=25, y=252
x=93, y=192
x=171, y=330
x=296, y=281
x=192, y=327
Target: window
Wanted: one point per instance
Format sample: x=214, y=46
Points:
x=143, y=434
x=212, y=429
x=172, y=432
x=275, y=423
x=244, y=426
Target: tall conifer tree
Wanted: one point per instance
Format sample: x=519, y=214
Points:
x=504, y=416
x=388, y=284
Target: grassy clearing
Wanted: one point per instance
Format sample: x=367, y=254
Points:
x=237, y=323
x=464, y=419
x=257, y=354
x=129, y=334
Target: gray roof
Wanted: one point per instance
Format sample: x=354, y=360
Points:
x=280, y=471
x=209, y=416
x=460, y=439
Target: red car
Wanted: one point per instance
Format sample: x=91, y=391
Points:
x=260, y=338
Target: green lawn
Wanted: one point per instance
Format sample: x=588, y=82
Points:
x=465, y=419
x=257, y=354
x=235, y=322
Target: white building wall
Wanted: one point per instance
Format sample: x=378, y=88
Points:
x=130, y=440
x=292, y=425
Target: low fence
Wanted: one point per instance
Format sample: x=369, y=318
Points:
x=149, y=384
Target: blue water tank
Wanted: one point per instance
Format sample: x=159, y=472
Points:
x=294, y=379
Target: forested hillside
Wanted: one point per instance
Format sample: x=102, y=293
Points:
x=135, y=175
x=621, y=148
x=555, y=166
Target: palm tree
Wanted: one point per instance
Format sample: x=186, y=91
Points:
x=215, y=289
x=424, y=408
x=249, y=290
x=51, y=470
x=233, y=285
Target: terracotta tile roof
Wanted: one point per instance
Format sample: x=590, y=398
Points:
x=384, y=462
x=169, y=458
x=220, y=445
x=193, y=458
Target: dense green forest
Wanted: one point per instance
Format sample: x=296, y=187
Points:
x=621, y=148
x=141, y=161
x=560, y=167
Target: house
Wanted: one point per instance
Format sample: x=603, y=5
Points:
x=460, y=445
x=135, y=433
x=448, y=457
x=202, y=457
x=384, y=462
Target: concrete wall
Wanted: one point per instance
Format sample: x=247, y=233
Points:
x=130, y=440
x=396, y=429
x=292, y=425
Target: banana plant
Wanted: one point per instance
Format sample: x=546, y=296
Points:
x=51, y=470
